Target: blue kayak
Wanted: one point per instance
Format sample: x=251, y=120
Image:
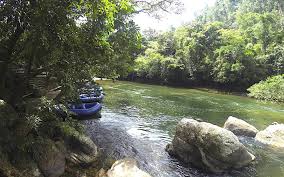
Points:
x=85, y=109
x=86, y=98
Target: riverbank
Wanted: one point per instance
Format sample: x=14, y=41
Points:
x=36, y=142
x=205, y=87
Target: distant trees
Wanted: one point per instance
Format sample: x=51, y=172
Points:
x=233, y=44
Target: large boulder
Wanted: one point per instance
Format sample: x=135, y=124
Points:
x=273, y=136
x=208, y=146
x=126, y=168
x=81, y=150
x=50, y=160
x=240, y=127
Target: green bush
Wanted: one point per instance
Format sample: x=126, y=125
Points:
x=272, y=89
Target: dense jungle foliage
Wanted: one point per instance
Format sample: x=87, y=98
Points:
x=69, y=40
x=233, y=44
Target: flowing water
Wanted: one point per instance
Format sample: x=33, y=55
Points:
x=139, y=120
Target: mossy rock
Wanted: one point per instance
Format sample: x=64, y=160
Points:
x=81, y=149
x=50, y=159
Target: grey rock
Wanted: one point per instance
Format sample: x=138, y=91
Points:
x=272, y=136
x=240, y=127
x=80, y=149
x=126, y=168
x=208, y=146
x=50, y=160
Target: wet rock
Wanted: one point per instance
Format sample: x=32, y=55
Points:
x=240, y=127
x=273, y=136
x=126, y=168
x=49, y=158
x=80, y=148
x=208, y=146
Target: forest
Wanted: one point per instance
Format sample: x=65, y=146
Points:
x=233, y=44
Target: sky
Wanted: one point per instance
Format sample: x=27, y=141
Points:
x=191, y=8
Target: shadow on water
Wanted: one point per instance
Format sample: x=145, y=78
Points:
x=140, y=123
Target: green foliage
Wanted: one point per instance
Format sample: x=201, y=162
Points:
x=69, y=40
x=271, y=89
x=233, y=44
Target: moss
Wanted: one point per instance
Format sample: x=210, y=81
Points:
x=70, y=128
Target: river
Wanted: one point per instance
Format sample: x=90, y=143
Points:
x=139, y=120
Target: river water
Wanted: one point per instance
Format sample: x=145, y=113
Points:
x=139, y=120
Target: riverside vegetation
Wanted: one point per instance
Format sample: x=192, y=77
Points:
x=231, y=45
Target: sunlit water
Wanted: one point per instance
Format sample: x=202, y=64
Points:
x=139, y=120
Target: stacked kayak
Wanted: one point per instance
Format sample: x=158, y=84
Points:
x=87, y=98
x=85, y=109
x=90, y=98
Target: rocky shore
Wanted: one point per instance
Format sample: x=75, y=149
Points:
x=35, y=142
x=216, y=149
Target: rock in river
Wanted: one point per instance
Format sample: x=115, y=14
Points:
x=240, y=127
x=81, y=150
x=126, y=168
x=208, y=146
x=273, y=136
